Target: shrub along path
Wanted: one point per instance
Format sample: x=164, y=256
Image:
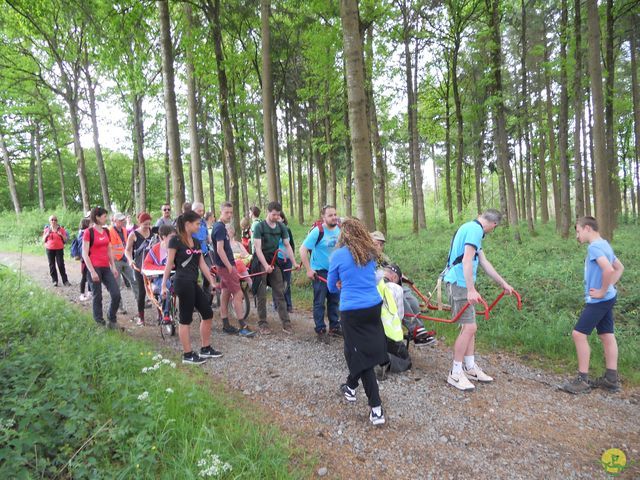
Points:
x=518, y=427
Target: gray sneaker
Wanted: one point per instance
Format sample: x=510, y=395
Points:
x=606, y=384
x=576, y=386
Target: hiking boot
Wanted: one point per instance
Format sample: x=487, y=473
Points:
x=246, y=332
x=287, y=328
x=322, y=337
x=460, y=381
x=606, y=384
x=335, y=332
x=348, y=393
x=264, y=329
x=476, y=374
x=576, y=386
x=230, y=329
x=193, y=358
x=209, y=352
x=376, y=416
x=66, y=283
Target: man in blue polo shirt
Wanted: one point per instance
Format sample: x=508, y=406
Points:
x=321, y=241
x=465, y=255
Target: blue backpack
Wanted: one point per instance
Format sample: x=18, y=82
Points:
x=76, y=245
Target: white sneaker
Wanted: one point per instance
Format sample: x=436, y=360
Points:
x=83, y=297
x=460, y=381
x=477, y=374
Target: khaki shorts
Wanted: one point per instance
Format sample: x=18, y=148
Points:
x=457, y=300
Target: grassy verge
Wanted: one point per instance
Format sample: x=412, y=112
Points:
x=81, y=402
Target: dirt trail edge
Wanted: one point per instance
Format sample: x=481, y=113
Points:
x=520, y=426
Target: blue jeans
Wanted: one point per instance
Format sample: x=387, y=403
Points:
x=157, y=289
x=320, y=296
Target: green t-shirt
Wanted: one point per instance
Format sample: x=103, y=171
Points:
x=255, y=223
x=270, y=237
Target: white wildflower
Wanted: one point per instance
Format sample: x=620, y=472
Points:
x=145, y=370
x=212, y=466
x=31, y=293
x=156, y=357
x=166, y=361
x=173, y=365
x=169, y=390
x=143, y=396
x=155, y=367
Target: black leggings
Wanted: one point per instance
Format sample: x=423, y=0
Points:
x=57, y=256
x=140, y=295
x=191, y=296
x=370, y=385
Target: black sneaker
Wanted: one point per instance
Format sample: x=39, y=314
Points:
x=209, y=352
x=55, y=284
x=192, y=357
x=335, y=332
x=606, y=384
x=377, y=418
x=230, y=329
x=348, y=393
x=576, y=386
x=66, y=283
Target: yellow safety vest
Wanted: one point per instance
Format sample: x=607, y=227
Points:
x=390, y=319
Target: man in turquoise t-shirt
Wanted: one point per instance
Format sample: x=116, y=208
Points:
x=465, y=255
x=321, y=242
x=602, y=270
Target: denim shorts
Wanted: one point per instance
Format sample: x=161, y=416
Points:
x=596, y=315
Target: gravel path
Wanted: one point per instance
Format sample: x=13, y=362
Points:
x=520, y=426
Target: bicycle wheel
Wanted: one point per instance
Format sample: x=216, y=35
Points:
x=169, y=328
x=246, y=304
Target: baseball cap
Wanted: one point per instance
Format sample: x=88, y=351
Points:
x=395, y=269
x=377, y=235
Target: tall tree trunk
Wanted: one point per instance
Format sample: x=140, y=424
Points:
x=300, y=158
x=332, y=189
x=267, y=101
x=310, y=176
x=290, y=171
x=173, y=131
x=79, y=152
x=102, y=173
x=502, y=147
x=38, y=155
x=138, y=121
x=348, y=196
x=585, y=161
x=212, y=191
x=192, y=111
x=609, y=123
x=15, y=199
x=603, y=203
x=32, y=173
x=167, y=169
x=447, y=146
x=577, y=109
x=228, y=149
x=544, y=204
x=54, y=130
x=551, y=130
x=358, y=125
x=563, y=128
x=276, y=151
x=406, y=32
x=525, y=126
x=256, y=156
x=459, y=124
x=635, y=91
x=422, y=218
x=375, y=133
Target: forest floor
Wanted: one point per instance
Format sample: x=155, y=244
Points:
x=520, y=426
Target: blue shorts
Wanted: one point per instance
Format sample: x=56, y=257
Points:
x=596, y=315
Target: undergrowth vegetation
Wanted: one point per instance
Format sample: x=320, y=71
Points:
x=82, y=402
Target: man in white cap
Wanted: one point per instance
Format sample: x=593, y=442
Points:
x=379, y=241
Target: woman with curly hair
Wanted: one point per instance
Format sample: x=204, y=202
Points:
x=352, y=273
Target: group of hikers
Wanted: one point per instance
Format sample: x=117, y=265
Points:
x=356, y=287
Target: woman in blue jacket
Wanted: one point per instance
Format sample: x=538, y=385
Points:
x=352, y=274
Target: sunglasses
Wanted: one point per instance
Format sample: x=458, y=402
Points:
x=166, y=209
